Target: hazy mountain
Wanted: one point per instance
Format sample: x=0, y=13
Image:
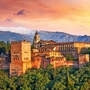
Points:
x=20, y=33
x=17, y=29
x=15, y=33
x=10, y=36
x=63, y=37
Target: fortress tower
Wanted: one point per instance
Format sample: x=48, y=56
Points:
x=20, y=57
x=36, y=39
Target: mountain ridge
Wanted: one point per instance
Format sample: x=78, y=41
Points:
x=20, y=33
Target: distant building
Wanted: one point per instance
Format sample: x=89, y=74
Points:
x=4, y=61
x=59, y=50
x=56, y=61
x=39, y=43
x=44, y=56
x=72, y=48
x=83, y=59
x=20, y=57
x=36, y=39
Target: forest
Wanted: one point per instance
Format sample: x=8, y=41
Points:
x=61, y=78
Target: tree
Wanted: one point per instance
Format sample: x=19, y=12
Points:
x=2, y=50
x=70, y=83
x=8, y=47
x=32, y=46
x=50, y=66
x=69, y=57
x=58, y=86
x=4, y=47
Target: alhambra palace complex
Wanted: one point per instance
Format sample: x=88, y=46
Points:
x=44, y=53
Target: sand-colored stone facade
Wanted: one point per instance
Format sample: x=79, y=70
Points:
x=56, y=52
x=22, y=57
x=72, y=48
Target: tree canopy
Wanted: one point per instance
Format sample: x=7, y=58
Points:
x=66, y=78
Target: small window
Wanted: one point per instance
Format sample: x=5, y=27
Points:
x=26, y=58
x=25, y=52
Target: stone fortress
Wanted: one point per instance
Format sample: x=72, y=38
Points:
x=20, y=57
x=44, y=53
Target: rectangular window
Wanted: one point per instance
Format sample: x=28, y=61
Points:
x=25, y=52
x=26, y=58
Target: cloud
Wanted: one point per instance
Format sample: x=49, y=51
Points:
x=21, y=12
x=8, y=20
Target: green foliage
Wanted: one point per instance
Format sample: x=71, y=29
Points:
x=86, y=52
x=50, y=66
x=69, y=57
x=4, y=47
x=8, y=47
x=66, y=78
x=32, y=46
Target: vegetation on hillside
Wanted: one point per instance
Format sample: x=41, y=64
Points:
x=4, y=47
x=61, y=78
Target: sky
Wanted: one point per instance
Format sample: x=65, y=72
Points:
x=70, y=16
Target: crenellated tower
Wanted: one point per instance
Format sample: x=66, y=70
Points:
x=20, y=57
